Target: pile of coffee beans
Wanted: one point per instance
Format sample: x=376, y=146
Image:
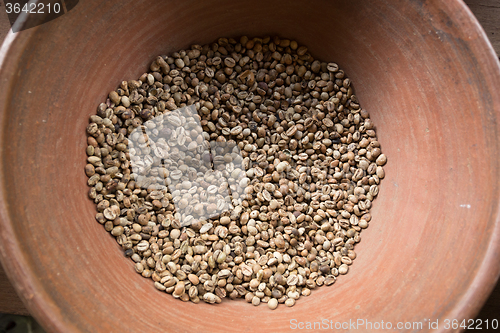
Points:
x=244, y=168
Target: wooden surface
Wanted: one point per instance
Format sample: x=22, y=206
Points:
x=488, y=14
x=9, y=301
x=4, y=22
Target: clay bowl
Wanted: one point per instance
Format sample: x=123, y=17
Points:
x=426, y=73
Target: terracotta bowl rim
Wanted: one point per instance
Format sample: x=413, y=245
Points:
x=43, y=308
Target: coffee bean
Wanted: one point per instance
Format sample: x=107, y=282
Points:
x=272, y=304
